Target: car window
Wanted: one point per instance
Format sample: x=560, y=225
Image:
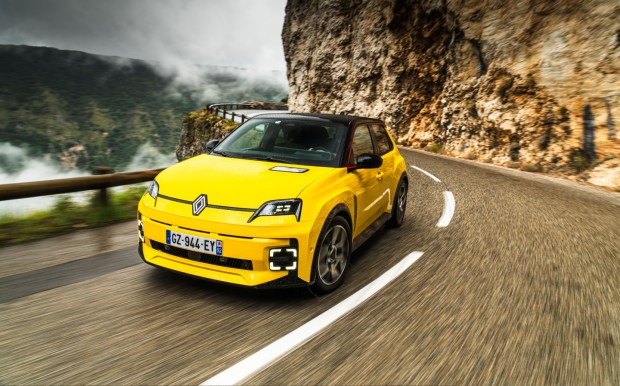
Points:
x=382, y=140
x=362, y=143
x=253, y=138
x=317, y=142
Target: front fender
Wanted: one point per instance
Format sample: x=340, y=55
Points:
x=319, y=200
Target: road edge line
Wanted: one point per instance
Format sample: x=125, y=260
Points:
x=448, y=210
x=289, y=342
x=427, y=173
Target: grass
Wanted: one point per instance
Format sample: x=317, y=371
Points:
x=434, y=148
x=470, y=155
x=532, y=168
x=66, y=216
x=579, y=161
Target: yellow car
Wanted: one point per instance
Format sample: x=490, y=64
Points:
x=282, y=201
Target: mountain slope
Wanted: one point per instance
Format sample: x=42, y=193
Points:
x=87, y=110
x=522, y=84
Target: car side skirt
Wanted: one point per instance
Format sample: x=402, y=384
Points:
x=371, y=230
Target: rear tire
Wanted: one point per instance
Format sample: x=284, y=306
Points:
x=331, y=256
x=400, y=205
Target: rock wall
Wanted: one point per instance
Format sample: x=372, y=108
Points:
x=201, y=126
x=522, y=83
x=197, y=129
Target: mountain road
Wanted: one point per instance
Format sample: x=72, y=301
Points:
x=515, y=281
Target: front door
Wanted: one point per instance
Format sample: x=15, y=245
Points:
x=369, y=186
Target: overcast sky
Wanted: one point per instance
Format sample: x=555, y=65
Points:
x=241, y=33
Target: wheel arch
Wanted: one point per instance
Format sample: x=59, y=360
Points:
x=341, y=210
x=404, y=176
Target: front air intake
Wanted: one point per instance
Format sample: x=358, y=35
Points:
x=221, y=261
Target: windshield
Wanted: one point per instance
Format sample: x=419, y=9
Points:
x=315, y=142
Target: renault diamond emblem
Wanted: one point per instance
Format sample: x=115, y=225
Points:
x=199, y=204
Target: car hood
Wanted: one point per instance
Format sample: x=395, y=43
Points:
x=234, y=182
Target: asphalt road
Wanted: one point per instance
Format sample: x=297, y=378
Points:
x=522, y=287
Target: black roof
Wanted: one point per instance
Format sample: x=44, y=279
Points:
x=348, y=120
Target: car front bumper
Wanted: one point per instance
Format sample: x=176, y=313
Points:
x=244, y=261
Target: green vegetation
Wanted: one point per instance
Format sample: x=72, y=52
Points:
x=54, y=100
x=434, y=147
x=67, y=216
x=532, y=168
x=91, y=110
x=98, y=109
x=579, y=161
x=471, y=155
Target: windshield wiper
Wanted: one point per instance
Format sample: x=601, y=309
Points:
x=271, y=159
x=222, y=153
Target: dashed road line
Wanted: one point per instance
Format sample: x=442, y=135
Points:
x=448, y=210
x=449, y=204
x=289, y=342
x=425, y=172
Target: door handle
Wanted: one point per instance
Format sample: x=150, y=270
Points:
x=380, y=176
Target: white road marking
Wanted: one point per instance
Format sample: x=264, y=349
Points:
x=448, y=202
x=427, y=173
x=448, y=210
x=289, y=342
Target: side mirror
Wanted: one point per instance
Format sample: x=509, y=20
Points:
x=369, y=161
x=209, y=146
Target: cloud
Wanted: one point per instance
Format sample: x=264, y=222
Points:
x=16, y=166
x=219, y=84
x=176, y=33
x=182, y=36
x=149, y=157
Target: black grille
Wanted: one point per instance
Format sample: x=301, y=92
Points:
x=222, y=261
x=289, y=281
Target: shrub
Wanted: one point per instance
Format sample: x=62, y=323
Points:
x=579, y=161
x=532, y=168
x=67, y=215
x=434, y=147
x=470, y=155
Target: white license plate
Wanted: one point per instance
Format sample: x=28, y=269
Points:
x=194, y=243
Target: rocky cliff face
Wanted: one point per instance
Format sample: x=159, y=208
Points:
x=201, y=126
x=524, y=83
x=197, y=129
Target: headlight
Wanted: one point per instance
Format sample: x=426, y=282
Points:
x=279, y=208
x=153, y=189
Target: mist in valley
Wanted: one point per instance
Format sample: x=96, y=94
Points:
x=115, y=88
x=16, y=165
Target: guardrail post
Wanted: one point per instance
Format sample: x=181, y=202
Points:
x=102, y=198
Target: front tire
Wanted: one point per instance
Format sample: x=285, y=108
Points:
x=400, y=205
x=331, y=257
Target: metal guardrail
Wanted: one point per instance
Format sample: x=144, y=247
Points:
x=105, y=178
x=76, y=184
x=223, y=109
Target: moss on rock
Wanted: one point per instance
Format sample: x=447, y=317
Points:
x=197, y=129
